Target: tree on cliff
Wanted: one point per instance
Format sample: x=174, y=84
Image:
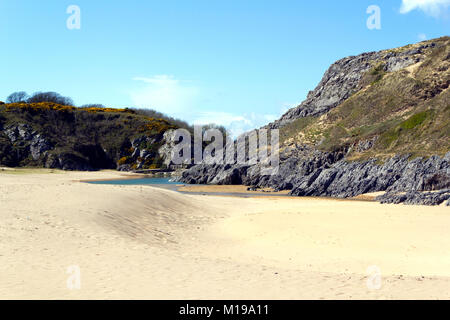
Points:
x=50, y=97
x=20, y=96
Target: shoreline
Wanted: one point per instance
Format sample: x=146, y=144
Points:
x=242, y=192
x=229, y=190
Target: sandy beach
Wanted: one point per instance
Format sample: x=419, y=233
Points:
x=142, y=242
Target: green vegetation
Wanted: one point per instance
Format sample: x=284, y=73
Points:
x=295, y=127
x=81, y=132
x=415, y=120
x=377, y=73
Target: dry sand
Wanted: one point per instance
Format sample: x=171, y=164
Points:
x=135, y=242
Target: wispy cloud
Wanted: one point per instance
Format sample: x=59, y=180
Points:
x=165, y=93
x=435, y=8
x=235, y=123
x=183, y=100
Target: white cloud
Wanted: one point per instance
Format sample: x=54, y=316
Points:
x=165, y=94
x=236, y=124
x=433, y=8
x=184, y=101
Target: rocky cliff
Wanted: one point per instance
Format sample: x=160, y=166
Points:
x=348, y=75
x=64, y=137
x=379, y=121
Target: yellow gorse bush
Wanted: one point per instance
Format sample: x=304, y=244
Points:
x=40, y=106
x=156, y=125
x=58, y=107
x=122, y=161
x=95, y=110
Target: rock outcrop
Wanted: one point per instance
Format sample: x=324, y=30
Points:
x=322, y=174
x=68, y=138
x=364, y=119
x=28, y=140
x=348, y=179
x=417, y=198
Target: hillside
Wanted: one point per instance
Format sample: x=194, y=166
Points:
x=379, y=121
x=52, y=135
x=399, y=105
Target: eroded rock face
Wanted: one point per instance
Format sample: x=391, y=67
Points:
x=39, y=146
x=313, y=173
x=30, y=147
x=165, y=151
x=416, y=198
x=141, y=154
x=349, y=179
x=216, y=174
x=19, y=132
x=27, y=142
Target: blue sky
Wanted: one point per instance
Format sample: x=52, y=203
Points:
x=236, y=63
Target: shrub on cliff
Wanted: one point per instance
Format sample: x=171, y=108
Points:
x=50, y=97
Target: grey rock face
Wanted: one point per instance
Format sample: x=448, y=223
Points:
x=398, y=63
x=349, y=179
x=365, y=145
x=215, y=174
x=19, y=132
x=416, y=198
x=31, y=147
x=165, y=151
x=136, y=153
x=145, y=154
x=124, y=167
x=39, y=146
x=24, y=136
x=140, y=153
x=313, y=173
